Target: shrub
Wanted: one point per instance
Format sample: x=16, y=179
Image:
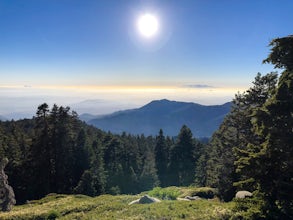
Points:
x=53, y=215
x=206, y=192
x=203, y=192
x=170, y=193
x=248, y=208
x=115, y=190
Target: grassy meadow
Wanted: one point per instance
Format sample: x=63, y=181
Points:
x=56, y=206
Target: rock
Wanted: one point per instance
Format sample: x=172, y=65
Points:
x=192, y=197
x=145, y=200
x=7, y=198
x=134, y=202
x=189, y=198
x=243, y=194
x=183, y=199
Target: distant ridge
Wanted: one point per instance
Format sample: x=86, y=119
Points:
x=167, y=115
x=2, y=118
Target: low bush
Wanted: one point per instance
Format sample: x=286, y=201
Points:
x=53, y=215
x=248, y=208
x=203, y=192
x=169, y=193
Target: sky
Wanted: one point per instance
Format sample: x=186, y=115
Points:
x=89, y=53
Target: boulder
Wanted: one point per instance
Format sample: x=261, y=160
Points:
x=145, y=200
x=243, y=194
x=7, y=198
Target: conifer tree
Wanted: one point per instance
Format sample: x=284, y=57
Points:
x=81, y=156
x=161, y=158
x=182, y=160
x=269, y=163
x=97, y=168
x=113, y=164
x=148, y=178
x=39, y=160
x=229, y=143
x=86, y=184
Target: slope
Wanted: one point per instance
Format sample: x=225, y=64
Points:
x=166, y=115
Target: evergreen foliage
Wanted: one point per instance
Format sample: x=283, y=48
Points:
x=182, y=159
x=273, y=122
x=162, y=158
x=229, y=143
x=252, y=150
x=56, y=153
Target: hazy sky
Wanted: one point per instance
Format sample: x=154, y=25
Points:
x=66, y=51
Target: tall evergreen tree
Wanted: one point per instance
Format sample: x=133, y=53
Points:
x=86, y=184
x=269, y=163
x=97, y=168
x=148, y=178
x=39, y=160
x=200, y=169
x=182, y=160
x=162, y=158
x=113, y=163
x=81, y=156
x=220, y=170
x=64, y=141
x=233, y=136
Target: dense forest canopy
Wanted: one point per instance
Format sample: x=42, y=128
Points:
x=56, y=152
x=252, y=150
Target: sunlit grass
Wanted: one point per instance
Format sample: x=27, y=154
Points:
x=116, y=207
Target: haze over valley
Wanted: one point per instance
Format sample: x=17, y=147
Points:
x=22, y=102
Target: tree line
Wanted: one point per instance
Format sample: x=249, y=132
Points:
x=253, y=147
x=56, y=152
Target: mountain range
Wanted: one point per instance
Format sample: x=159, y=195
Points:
x=163, y=114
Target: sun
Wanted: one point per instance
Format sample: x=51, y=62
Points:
x=148, y=25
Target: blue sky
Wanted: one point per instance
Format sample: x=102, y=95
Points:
x=205, y=51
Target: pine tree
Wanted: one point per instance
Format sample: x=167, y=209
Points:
x=229, y=144
x=220, y=170
x=162, y=158
x=113, y=164
x=269, y=163
x=81, y=156
x=182, y=159
x=148, y=178
x=97, y=168
x=39, y=160
x=64, y=140
x=86, y=184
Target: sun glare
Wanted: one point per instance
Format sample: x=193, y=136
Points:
x=147, y=25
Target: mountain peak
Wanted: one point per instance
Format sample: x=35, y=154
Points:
x=167, y=115
x=160, y=101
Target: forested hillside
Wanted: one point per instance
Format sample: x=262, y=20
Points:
x=252, y=150
x=167, y=115
x=55, y=152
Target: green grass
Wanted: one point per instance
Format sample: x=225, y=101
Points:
x=70, y=207
x=169, y=193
